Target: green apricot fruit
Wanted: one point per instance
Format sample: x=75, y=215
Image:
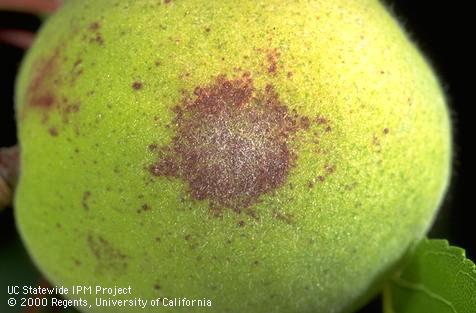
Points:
x=266, y=156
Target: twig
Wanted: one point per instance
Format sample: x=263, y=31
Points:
x=9, y=169
x=16, y=37
x=34, y=6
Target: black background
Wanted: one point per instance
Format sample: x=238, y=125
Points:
x=440, y=29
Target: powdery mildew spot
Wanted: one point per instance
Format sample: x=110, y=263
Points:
x=231, y=143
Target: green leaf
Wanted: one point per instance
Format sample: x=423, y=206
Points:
x=16, y=269
x=437, y=279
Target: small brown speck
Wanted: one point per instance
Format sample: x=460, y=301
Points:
x=386, y=131
x=156, y=286
x=84, y=201
x=241, y=223
x=53, y=131
x=144, y=208
x=94, y=26
x=137, y=85
x=330, y=169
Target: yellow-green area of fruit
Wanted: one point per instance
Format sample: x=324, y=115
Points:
x=91, y=213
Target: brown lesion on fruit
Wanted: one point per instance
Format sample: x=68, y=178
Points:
x=327, y=171
x=107, y=255
x=43, y=93
x=144, y=208
x=76, y=70
x=67, y=107
x=53, y=131
x=272, y=58
x=76, y=262
x=231, y=144
x=94, y=29
x=41, y=90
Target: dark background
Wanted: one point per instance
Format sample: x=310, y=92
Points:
x=441, y=30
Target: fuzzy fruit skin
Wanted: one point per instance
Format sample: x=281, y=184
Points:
x=96, y=96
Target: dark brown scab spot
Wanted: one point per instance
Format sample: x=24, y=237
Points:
x=241, y=224
x=156, y=286
x=231, y=143
x=137, y=85
x=85, y=199
x=386, y=130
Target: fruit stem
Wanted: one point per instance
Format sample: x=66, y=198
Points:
x=9, y=170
